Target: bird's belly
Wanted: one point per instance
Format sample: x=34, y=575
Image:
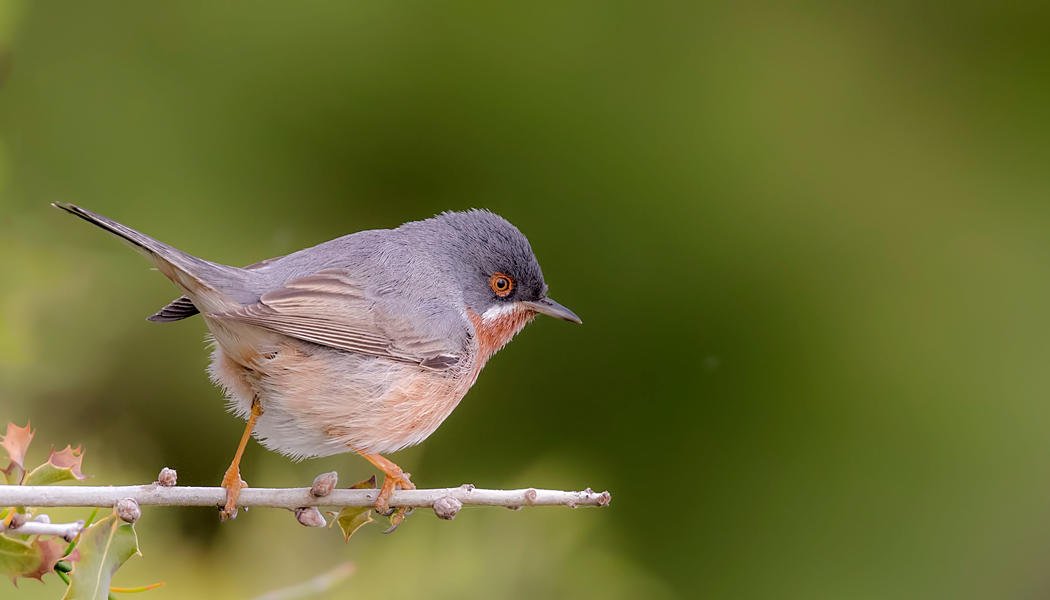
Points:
x=318, y=401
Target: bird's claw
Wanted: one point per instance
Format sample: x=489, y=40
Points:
x=233, y=484
x=382, y=506
x=396, y=517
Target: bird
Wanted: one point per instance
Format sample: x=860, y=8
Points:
x=364, y=343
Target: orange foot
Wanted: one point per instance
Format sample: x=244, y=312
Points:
x=232, y=482
x=395, y=479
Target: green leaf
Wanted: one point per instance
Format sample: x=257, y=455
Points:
x=60, y=466
x=12, y=475
x=103, y=547
x=351, y=518
x=29, y=559
x=17, y=559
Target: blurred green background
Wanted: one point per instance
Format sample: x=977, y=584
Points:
x=810, y=247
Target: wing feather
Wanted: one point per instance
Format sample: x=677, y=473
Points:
x=330, y=309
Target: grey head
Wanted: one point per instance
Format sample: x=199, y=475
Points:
x=491, y=260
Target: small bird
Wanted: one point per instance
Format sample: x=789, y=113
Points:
x=364, y=343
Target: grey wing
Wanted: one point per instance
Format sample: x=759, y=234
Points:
x=183, y=308
x=330, y=309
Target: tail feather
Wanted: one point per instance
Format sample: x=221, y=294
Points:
x=176, y=310
x=139, y=241
x=198, y=278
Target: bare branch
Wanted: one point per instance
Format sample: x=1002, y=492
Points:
x=288, y=498
x=41, y=526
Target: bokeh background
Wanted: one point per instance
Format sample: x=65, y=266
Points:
x=811, y=247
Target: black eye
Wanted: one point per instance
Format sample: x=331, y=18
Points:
x=501, y=284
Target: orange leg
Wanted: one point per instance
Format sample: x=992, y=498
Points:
x=232, y=480
x=395, y=479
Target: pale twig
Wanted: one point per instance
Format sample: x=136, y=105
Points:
x=289, y=498
x=321, y=583
x=41, y=526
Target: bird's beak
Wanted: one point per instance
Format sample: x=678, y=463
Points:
x=546, y=306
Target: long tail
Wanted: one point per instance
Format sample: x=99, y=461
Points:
x=202, y=280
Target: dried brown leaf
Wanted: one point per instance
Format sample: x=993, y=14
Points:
x=16, y=442
x=367, y=484
x=69, y=459
x=51, y=551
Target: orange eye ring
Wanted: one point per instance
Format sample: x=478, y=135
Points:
x=501, y=284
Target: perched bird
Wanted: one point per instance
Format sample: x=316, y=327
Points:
x=364, y=343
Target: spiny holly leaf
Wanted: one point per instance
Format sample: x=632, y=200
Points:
x=68, y=459
x=60, y=466
x=351, y=518
x=51, y=551
x=104, y=547
x=16, y=442
x=12, y=475
x=18, y=558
